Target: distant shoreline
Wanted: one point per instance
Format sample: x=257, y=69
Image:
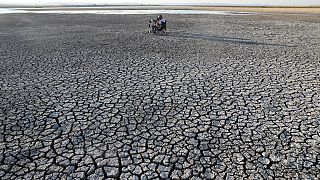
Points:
x=257, y=9
x=263, y=9
x=145, y=5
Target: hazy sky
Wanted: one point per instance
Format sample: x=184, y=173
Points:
x=236, y=2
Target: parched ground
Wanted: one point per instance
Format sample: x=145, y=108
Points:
x=219, y=97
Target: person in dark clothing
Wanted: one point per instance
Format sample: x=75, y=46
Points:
x=162, y=23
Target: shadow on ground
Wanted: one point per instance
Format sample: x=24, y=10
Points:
x=226, y=39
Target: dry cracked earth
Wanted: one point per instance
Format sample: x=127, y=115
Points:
x=219, y=97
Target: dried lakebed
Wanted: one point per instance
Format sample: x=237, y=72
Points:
x=219, y=97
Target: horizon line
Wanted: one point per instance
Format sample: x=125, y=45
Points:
x=162, y=4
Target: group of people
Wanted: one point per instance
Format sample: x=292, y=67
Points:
x=159, y=24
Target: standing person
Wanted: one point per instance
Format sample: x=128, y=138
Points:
x=155, y=24
x=152, y=26
x=162, y=23
x=158, y=22
x=162, y=20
